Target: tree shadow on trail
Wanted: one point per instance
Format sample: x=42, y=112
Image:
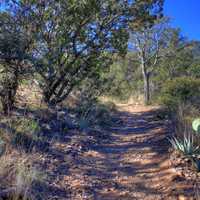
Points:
x=123, y=162
x=132, y=164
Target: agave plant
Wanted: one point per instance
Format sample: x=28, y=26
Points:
x=185, y=145
x=196, y=125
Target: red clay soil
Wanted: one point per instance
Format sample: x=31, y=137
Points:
x=133, y=164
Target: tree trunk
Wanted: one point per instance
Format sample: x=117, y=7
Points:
x=146, y=89
x=46, y=95
x=7, y=102
x=146, y=77
x=8, y=93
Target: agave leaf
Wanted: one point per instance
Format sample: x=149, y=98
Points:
x=196, y=163
x=186, y=145
x=2, y=147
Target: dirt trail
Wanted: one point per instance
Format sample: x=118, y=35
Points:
x=132, y=164
x=135, y=163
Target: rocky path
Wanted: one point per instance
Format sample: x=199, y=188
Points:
x=132, y=164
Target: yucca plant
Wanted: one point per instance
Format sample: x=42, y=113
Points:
x=185, y=145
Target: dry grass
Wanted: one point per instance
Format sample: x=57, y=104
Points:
x=18, y=175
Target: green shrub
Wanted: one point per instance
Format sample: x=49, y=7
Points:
x=180, y=91
x=25, y=125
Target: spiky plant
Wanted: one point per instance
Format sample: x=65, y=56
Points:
x=185, y=145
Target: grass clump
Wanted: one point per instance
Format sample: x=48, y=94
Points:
x=18, y=175
x=25, y=125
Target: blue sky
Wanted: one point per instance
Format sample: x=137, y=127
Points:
x=185, y=14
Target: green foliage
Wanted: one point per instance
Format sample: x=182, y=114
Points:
x=178, y=91
x=14, y=47
x=123, y=79
x=73, y=40
x=82, y=33
x=25, y=125
x=194, y=70
x=185, y=145
x=181, y=59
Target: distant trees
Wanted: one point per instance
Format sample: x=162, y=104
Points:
x=161, y=51
x=121, y=79
x=178, y=55
x=181, y=58
x=158, y=54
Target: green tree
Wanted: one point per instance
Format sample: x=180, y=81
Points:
x=148, y=42
x=178, y=56
x=14, y=46
x=179, y=60
x=73, y=36
x=122, y=78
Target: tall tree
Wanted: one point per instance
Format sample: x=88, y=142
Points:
x=148, y=42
